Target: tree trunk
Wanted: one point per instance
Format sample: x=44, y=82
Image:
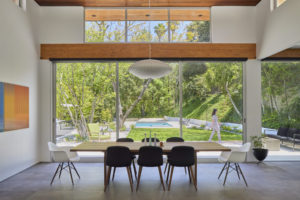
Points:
x=94, y=104
x=120, y=104
x=82, y=127
x=232, y=102
x=286, y=99
x=127, y=113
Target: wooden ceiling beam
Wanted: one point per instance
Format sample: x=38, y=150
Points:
x=286, y=54
x=141, y=50
x=144, y=3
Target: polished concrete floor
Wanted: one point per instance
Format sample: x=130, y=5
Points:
x=268, y=181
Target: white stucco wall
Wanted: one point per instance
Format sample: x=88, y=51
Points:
x=233, y=24
x=19, y=58
x=56, y=25
x=277, y=30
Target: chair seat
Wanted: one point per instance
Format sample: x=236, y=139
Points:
x=75, y=158
x=178, y=163
x=224, y=157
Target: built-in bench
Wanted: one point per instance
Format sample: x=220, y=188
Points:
x=287, y=135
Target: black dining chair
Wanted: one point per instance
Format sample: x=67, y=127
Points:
x=133, y=157
x=181, y=156
x=150, y=156
x=172, y=139
x=118, y=156
x=152, y=139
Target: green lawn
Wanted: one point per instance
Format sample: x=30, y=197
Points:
x=188, y=134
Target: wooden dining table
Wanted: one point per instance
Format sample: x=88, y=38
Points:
x=135, y=146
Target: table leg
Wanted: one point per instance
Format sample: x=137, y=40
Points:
x=105, y=169
x=195, y=168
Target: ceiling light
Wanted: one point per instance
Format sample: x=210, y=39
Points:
x=150, y=68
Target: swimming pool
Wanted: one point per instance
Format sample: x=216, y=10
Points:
x=152, y=125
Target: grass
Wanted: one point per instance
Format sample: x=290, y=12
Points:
x=188, y=134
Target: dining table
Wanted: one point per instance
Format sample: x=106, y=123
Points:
x=135, y=146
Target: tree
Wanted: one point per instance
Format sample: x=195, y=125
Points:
x=160, y=30
x=225, y=78
x=82, y=89
x=198, y=31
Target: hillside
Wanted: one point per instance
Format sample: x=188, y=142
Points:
x=196, y=109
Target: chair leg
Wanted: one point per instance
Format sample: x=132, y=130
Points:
x=134, y=168
x=166, y=166
x=237, y=170
x=242, y=174
x=294, y=146
x=59, y=165
x=185, y=170
x=161, y=178
x=172, y=170
x=107, y=178
x=189, y=171
x=61, y=168
x=222, y=170
x=114, y=172
x=193, y=177
x=130, y=178
x=75, y=169
x=168, y=174
x=228, y=166
x=139, y=178
x=131, y=174
x=70, y=173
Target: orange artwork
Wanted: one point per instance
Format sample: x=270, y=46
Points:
x=14, y=107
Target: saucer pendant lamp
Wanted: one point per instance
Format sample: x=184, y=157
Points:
x=150, y=68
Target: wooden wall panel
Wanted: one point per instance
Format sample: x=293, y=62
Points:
x=104, y=14
x=137, y=51
x=144, y=3
x=189, y=15
x=147, y=14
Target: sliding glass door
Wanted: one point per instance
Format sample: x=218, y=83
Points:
x=281, y=109
x=213, y=101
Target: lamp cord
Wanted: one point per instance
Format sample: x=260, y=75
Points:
x=149, y=5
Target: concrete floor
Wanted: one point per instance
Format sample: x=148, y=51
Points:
x=268, y=181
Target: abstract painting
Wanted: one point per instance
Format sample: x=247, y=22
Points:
x=14, y=107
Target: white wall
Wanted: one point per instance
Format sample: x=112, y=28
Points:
x=18, y=65
x=279, y=29
x=61, y=25
x=233, y=24
x=56, y=25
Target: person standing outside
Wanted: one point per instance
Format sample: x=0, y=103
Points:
x=215, y=125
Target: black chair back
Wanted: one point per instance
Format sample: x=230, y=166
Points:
x=148, y=139
x=175, y=139
x=150, y=156
x=283, y=131
x=118, y=156
x=291, y=132
x=125, y=140
x=182, y=156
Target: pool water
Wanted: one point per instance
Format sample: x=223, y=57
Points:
x=152, y=125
